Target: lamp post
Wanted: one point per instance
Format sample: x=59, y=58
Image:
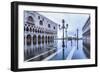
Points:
x=66, y=34
x=63, y=27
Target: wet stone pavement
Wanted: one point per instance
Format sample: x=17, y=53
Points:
x=69, y=52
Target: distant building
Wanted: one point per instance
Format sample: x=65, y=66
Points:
x=39, y=34
x=86, y=37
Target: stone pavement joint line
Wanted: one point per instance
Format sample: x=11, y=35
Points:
x=39, y=55
x=71, y=53
x=49, y=57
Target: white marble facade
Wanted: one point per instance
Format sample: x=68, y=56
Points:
x=39, y=34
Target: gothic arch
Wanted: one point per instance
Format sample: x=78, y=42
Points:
x=28, y=39
x=34, y=40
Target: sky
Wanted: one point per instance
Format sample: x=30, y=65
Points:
x=74, y=20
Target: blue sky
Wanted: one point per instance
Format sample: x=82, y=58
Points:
x=74, y=21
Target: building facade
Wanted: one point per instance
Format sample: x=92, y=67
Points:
x=39, y=36
x=86, y=37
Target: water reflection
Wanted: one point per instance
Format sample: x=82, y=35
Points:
x=57, y=52
x=65, y=53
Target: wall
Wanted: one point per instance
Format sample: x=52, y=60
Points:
x=5, y=35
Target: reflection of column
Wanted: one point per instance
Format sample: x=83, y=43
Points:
x=63, y=45
x=32, y=46
x=77, y=38
x=66, y=34
x=71, y=42
x=63, y=27
x=63, y=54
x=25, y=49
x=66, y=38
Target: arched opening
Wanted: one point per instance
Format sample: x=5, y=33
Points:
x=46, y=39
x=30, y=29
x=33, y=29
x=40, y=30
x=39, y=39
x=51, y=39
x=27, y=29
x=28, y=39
x=42, y=39
x=34, y=40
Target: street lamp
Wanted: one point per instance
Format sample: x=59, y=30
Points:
x=63, y=27
x=66, y=34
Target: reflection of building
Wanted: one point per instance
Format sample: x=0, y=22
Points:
x=39, y=34
x=86, y=37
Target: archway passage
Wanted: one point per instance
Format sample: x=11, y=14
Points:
x=39, y=39
x=46, y=39
x=42, y=39
x=28, y=39
x=34, y=40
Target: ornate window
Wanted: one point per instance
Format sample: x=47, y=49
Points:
x=30, y=20
x=54, y=27
x=38, y=17
x=41, y=22
x=49, y=25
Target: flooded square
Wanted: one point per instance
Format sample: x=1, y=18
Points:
x=50, y=36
